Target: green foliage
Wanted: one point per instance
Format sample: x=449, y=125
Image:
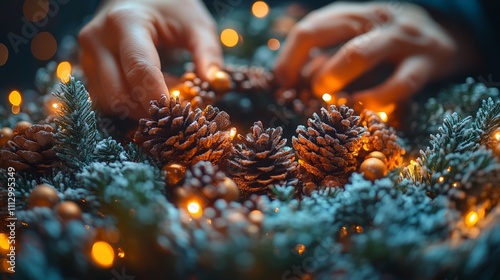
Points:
x=488, y=121
x=76, y=136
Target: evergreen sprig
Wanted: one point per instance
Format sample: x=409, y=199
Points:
x=488, y=121
x=77, y=134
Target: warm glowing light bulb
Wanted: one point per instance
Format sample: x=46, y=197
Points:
x=273, y=44
x=497, y=135
x=16, y=110
x=194, y=208
x=15, y=98
x=260, y=9
x=176, y=93
x=4, y=241
x=471, y=218
x=233, y=132
x=121, y=253
x=300, y=248
x=383, y=116
x=64, y=71
x=327, y=97
x=229, y=37
x=441, y=179
x=359, y=229
x=103, y=254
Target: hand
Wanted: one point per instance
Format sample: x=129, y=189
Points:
x=120, y=50
x=403, y=35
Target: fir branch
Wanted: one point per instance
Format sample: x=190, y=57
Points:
x=77, y=133
x=487, y=121
x=109, y=150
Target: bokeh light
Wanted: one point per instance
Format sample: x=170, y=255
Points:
x=327, y=97
x=15, y=98
x=229, y=37
x=103, y=254
x=383, y=116
x=43, y=46
x=4, y=54
x=260, y=9
x=16, y=110
x=35, y=10
x=4, y=241
x=471, y=218
x=273, y=44
x=194, y=208
x=233, y=132
x=64, y=71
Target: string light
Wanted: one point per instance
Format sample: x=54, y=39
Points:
x=471, y=218
x=103, y=254
x=260, y=9
x=300, y=248
x=359, y=229
x=229, y=37
x=343, y=232
x=441, y=179
x=16, y=110
x=327, y=97
x=383, y=116
x=233, y=132
x=15, y=98
x=64, y=71
x=273, y=44
x=194, y=208
x=497, y=135
x=176, y=93
x=121, y=253
x=4, y=241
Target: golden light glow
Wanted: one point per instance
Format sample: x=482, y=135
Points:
x=64, y=71
x=471, y=218
x=229, y=37
x=300, y=248
x=383, y=116
x=260, y=9
x=276, y=209
x=343, y=232
x=441, y=179
x=273, y=44
x=103, y=254
x=4, y=54
x=454, y=185
x=359, y=229
x=176, y=93
x=121, y=253
x=6, y=266
x=43, y=46
x=194, y=208
x=327, y=97
x=16, y=110
x=15, y=98
x=233, y=132
x=35, y=10
x=4, y=241
x=448, y=169
x=342, y=101
x=497, y=135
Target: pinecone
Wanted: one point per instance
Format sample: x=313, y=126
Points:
x=31, y=149
x=381, y=138
x=250, y=79
x=262, y=160
x=328, y=148
x=204, y=181
x=199, y=92
x=175, y=133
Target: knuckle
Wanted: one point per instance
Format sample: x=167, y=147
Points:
x=117, y=16
x=303, y=31
x=136, y=71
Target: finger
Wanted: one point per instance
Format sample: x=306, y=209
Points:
x=409, y=77
x=115, y=91
x=315, y=31
x=140, y=63
x=355, y=58
x=205, y=47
